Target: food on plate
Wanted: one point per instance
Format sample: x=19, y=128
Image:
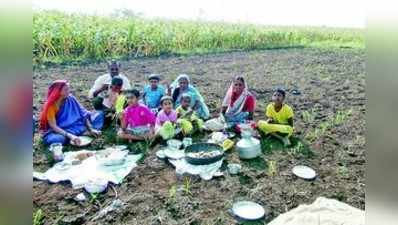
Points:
x=218, y=137
x=111, y=157
x=104, y=153
x=84, y=141
x=84, y=155
x=215, y=124
x=204, y=154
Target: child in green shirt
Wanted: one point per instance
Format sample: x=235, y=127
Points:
x=187, y=118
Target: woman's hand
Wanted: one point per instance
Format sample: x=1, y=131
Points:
x=74, y=139
x=95, y=133
x=167, y=87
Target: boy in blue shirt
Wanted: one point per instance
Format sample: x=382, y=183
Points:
x=153, y=93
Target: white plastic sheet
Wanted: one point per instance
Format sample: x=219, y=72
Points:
x=206, y=172
x=89, y=170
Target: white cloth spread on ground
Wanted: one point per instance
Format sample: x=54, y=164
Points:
x=323, y=211
x=206, y=172
x=89, y=170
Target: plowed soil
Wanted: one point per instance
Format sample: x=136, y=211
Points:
x=330, y=81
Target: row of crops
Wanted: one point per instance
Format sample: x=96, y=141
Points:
x=60, y=37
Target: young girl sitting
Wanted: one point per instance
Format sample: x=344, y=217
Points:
x=137, y=121
x=187, y=118
x=166, y=118
x=280, y=118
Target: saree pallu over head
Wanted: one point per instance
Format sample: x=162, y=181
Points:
x=53, y=95
x=202, y=111
x=71, y=115
x=236, y=107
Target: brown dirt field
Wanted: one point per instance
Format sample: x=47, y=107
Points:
x=329, y=80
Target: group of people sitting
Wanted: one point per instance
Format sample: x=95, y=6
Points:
x=159, y=111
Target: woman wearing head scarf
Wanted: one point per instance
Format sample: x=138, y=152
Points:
x=182, y=86
x=238, y=104
x=63, y=118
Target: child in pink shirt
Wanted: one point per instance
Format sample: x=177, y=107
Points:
x=166, y=119
x=138, y=121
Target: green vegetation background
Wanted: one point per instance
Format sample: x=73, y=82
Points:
x=63, y=38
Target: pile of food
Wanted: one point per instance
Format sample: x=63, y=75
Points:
x=215, y=124
x=79, y=158
x=218, y=137
x=204, y=154
x=111, y=157
x=84, y=141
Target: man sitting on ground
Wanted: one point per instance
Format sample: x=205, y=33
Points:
x=101, y=87
x=106, y=90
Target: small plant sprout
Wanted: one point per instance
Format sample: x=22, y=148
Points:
x=309, y=116
x=94, y=198
x=339, y=118
x=272, y=168
x=298, y=148
x=343, y=172
x=172, y=192
x=324, y=126
x=38, y=217
x=187, y=186
x=313, y=135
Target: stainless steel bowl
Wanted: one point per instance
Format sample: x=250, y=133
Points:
x=203, y=147
x=249, y=148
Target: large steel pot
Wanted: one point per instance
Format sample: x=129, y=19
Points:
x=248, y=147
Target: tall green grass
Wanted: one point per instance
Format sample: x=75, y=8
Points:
x=60, y=37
